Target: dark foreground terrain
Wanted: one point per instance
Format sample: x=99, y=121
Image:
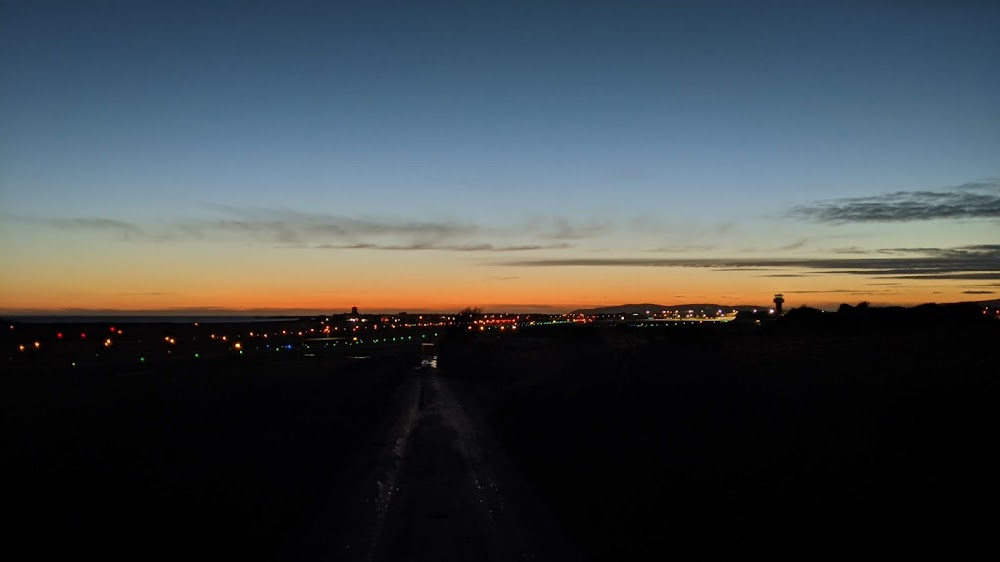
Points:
x=211, y=459
x=556, y=442
x=651, y=445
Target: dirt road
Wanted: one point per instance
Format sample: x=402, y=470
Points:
x=431, y=485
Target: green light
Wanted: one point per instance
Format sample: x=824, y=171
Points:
x=241, y=352
x=142, y=359
x=196, y=356
x=74, y=363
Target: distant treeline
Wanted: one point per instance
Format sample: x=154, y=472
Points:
x=863, y=317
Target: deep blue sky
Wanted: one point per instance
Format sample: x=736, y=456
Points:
x=677, y=113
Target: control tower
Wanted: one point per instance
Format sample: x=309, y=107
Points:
x=779, y=300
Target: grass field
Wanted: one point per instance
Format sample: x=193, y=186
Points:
x=649, y=445
x=211, y=459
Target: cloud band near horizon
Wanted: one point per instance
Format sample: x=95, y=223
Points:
x=963, y=262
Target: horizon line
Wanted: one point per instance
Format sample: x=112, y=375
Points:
x=274, y=312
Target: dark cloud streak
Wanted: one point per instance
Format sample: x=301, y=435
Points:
x=965, y=262
x=974, y=200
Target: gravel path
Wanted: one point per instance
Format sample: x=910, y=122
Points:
x=433, y=485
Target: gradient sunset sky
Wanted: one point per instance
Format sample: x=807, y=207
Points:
x=312, y=156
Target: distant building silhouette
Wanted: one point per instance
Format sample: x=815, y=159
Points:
x=354, y=312
x=779, y=300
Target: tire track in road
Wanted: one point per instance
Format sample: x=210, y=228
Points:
x=349, y=521
x=431, y=485
x=459, y=498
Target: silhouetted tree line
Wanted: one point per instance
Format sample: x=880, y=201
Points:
x=864, y=317
x=468, y=315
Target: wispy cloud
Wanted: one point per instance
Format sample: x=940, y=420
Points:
x=974, y=200
x=848, y=291
x=293, y=229
x=119, y=228
x=978, y=292
x=683, y=248
x=792, y=245
x=564, y=229
x=849, y=250
x=290, y=227
x=476, y=247
x=149, y=294
x=964, y=262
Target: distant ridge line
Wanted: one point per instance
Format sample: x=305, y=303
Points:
x=652, y=308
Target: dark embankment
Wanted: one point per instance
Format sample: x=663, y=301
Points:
x=791, y=444
x=183, y=460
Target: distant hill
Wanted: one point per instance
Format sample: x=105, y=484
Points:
x=995, y=303
x=643, y=307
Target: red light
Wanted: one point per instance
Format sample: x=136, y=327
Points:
x=59, y=335
x=83, y=336
x=112, y=328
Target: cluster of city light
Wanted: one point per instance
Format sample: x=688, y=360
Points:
x=355, y=330
x=23, y=347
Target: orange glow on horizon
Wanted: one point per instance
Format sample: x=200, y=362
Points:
x=393, y=283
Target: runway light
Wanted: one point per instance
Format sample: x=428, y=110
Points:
x=21, y=347
x=38, y=344
x=237, y=345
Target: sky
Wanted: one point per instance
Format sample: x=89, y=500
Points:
x=525, y=156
